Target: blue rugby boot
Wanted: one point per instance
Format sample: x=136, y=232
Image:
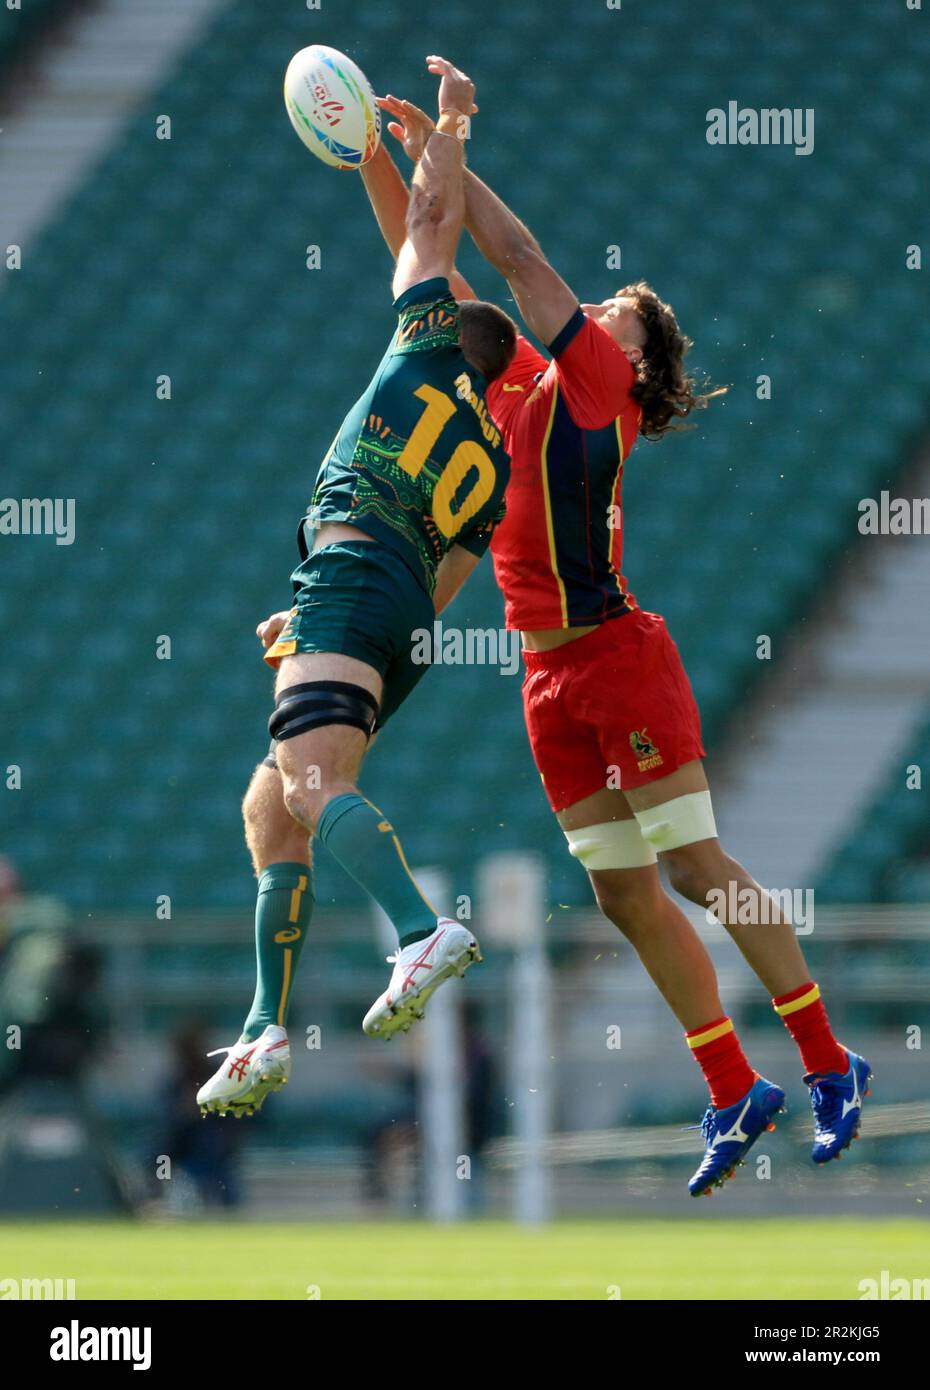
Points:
x=731, y=1133
x=837, y=1105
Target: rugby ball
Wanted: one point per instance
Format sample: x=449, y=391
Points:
x=332, y=107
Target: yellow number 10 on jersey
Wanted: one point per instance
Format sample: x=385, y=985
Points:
x=439, y=411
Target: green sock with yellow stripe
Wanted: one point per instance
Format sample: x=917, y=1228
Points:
x=282, y=916
x=365, y=843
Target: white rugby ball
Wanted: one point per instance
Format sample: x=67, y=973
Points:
x=332, y=107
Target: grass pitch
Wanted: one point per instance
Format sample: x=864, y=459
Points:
x=765, y=1259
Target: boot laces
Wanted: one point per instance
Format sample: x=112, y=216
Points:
x=827, y=1099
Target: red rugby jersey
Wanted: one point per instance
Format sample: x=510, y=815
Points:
x=567, y=424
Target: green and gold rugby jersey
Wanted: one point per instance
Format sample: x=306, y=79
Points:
x=418, y=463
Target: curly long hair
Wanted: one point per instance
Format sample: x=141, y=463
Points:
x=665, y=392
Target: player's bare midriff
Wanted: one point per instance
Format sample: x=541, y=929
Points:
x=547, y=639
x=332, y=532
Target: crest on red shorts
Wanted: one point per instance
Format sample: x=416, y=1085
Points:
x=647, y=754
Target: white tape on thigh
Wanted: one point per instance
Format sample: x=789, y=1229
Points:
x=681, y=821
x=618, y=844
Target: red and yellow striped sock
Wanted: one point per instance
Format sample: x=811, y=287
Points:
x=718, y=1053
x=805, y=1017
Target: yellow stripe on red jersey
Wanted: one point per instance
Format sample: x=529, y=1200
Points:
x=567, y=424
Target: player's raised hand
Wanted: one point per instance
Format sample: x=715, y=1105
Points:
x=267, y=631
x=456, y=90
x=411, y=126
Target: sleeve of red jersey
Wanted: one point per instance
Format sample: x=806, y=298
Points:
x=512, y=388
x=595, y=374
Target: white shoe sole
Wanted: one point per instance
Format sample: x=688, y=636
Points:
x=409, y=1009
x=251, y=1101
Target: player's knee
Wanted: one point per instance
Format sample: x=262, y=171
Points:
x=700, y=870
x=620, y=911
x=625, y=906
x=304, y=804
x=689, y=876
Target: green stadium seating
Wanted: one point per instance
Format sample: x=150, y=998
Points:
x=885, y=855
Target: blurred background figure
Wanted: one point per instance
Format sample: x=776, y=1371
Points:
x=203, y=1150
x=485, y=1110
x=55, y=1150
x=39, y=1009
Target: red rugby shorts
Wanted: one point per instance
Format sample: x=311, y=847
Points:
x=611, y=709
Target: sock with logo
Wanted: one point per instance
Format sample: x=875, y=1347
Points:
x=805, y=1017
x=717, y=1051
x=363, y=840
x=282, y=916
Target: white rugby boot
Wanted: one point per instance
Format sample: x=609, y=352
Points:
x=419, y=970
x=250, y=1072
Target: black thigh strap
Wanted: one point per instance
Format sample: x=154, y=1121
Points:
x=314, y=704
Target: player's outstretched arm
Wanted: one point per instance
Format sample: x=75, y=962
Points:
x=385, y=186
x=389, y=196
x=544, y=299
x=436, y=210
